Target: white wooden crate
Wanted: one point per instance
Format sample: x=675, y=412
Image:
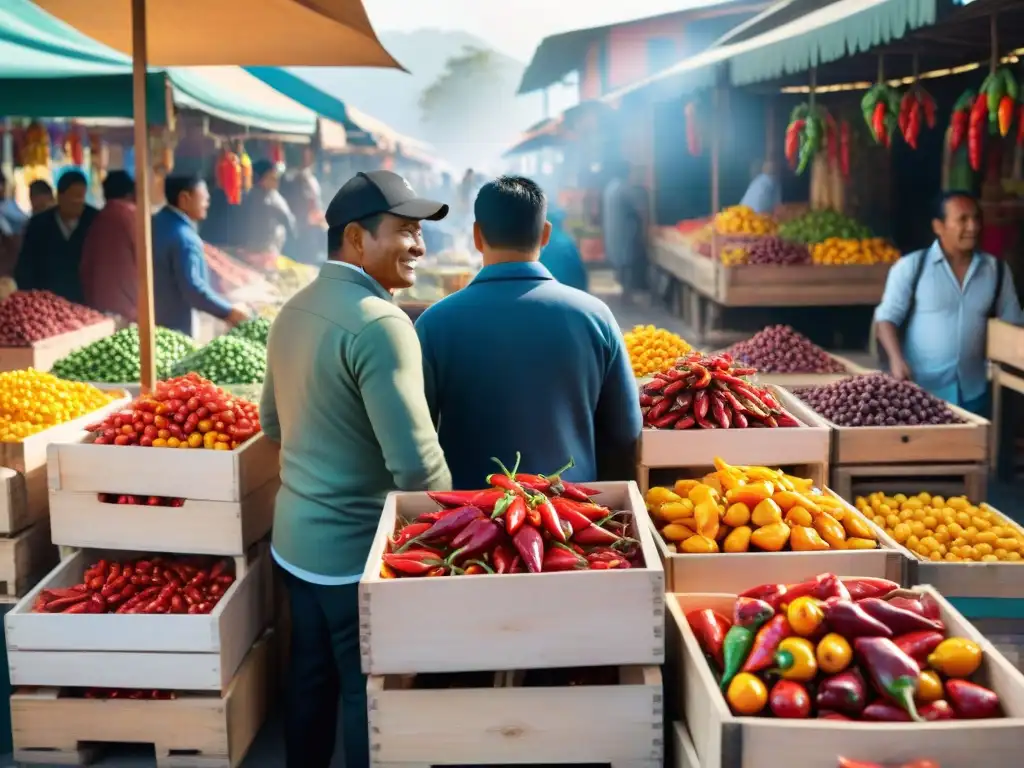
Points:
x=508, y=724
x=172, y=652
x=512, y=621
x=723, y=740
x=682, y=744
x=26, y=557
x=207, y=730
x=203, y=475
x=42, y=354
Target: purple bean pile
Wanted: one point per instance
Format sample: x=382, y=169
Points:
x=780, y=349
x=774, y=251
x=876, y=400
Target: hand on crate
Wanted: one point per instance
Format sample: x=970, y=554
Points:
x=159, y=584
x=142, y=501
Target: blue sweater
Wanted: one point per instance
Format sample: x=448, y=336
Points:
x=516, y=361
x=181, y=279
x=562, y=258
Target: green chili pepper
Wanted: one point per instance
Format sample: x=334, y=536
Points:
x=738, y=642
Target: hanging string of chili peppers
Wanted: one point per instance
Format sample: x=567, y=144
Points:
x=994, y=104
x=811, y=129
x=693, y=143
x=246, y=164
x=229, y=176
x=881, y=110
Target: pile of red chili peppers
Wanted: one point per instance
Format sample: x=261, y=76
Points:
x=709, y=393
x=521, y=524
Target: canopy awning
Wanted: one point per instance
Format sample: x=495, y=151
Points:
x=845, y=27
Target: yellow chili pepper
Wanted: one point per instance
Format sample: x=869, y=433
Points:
x=798, y=516
x=675, y=511
x=750, y=494
x=771, y=538
x=736, y=515
x=805, y=616
x=699, y=545
x=796, y=660
x=738, y=540
x=767, y=512
x=831, y=530
x=929, y=686
x=790, y=499
x=746, y=694
x=853, y=543
x=683, y=487
x=833, y=653
x=956, y=657
x=703, y=492
x=657, y=496
x=705, y=514
x=856, y=526
x=677, y=532
x=758, y=474
x=804, y=539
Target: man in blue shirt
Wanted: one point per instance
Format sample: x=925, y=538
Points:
x=763, y=195
x=515, y=361
x=561, y=256
x=181, y=278
x=933, y=318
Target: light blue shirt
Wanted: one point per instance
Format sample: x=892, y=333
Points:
x=763, y=194
x=944, y=340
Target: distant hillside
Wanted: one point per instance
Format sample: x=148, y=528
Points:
x=394, y=96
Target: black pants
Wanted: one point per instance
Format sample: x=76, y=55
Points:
x=324, y=667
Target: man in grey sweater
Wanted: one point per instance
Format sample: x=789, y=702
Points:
x=344, y=397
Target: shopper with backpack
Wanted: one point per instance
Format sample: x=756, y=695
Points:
x=933, y=318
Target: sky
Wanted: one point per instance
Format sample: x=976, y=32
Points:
x=515, y=27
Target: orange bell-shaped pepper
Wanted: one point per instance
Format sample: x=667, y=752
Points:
x=750, y=494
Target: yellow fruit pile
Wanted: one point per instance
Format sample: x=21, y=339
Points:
x=733, y=255
x=745, y=509
x=741, y=220
x=653, y=349
x=839, y=251
x=953, y=529
x=31, y=401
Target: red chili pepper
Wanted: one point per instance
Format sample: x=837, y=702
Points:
x=581, y=492
x=409, y=532
x=62, y=604
x=562, y=559
x=792, y=147
x=660, y=408
x=878, y=122
x=762, y=654
x=862, y=588
x=595, y=535
x=530, y=545
x=549, y=518
x=917, y=645
x=573, y=517
x=710, y=627
x=718, y=409
x=958, y=129
x=899, y=620
x=480, y=536
x=971, y=701
x=503, y=557
x=974, y=148
x=453, y=498
x=515, y=515
x=773, y=594
x=448, y=526
x=414, y=563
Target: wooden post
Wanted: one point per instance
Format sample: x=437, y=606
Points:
x=143, y=172
x=770, y=140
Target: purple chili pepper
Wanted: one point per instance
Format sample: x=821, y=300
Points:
x=530, y=546
x=451, y=524
x=481, y=535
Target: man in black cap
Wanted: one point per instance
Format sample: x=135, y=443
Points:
x=344, y=398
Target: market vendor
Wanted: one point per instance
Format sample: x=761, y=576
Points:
x=304, y=196
x=51, y=250
x=561, y=256
x=109, y=268
x=515, y=361
x=933, y=318
x=181, y=278
x=764, y=193
x=343, y=396
x=268, y=219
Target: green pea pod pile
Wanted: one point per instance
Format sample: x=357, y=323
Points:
x=257, y=329
x=115, y=359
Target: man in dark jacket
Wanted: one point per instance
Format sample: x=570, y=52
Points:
x=51, y=252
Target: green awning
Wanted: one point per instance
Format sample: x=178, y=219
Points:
x=311, y=97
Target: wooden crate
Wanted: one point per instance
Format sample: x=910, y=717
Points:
x=43, y=354
x=25, y=558
x=969, y=480
x=171, y=652
x=23, y=499
x=1006, y=344
x=801, y=286
x=669, y=448
x=722, y=740
x=673, y=253
x=512, y=621
x=50, y=727
x=199, y=475
x=736, y=572
x=508, y=723
x=813, y=379
x=685, y=755
x=80, y=519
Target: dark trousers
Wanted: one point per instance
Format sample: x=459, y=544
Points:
x=324, y=668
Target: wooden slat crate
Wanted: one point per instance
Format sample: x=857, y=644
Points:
x=723, y=740
x=43, y=354
x=512, y=621
x=969, y=480
x=669, y=448
x=23, y=499
x=813, y=379
x=171, y=652
x=1006, y=343
x=509, y=721
x=25, y=558
x=735, y=572
x=685, y=755
x=210, y=730
x=801, y=286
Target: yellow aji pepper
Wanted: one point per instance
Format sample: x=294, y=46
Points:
x=699, y=545
x=833, y=653
x=805, y=616
x=831, y=530
x=956, y=657
x=675, y=511
x=800, y=484
x=683, y=487
x=658, y=496
x=771, y=538
x=789, y=499
x=677, y=532
x=703, y=492
x=736, y=515
x=798, y=516
x=856, y=526
x=766, y=512
x=761, y=474
x=705, y=513
x=855, y=543
x=929, y=686
x=805, y=539
x=795, y=659
x=712, y=482
x=750, y=494
x=746, y=694
x=738, y=540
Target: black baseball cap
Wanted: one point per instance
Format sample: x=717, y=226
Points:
x=368, y=194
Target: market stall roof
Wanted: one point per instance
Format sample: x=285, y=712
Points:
x=559, y=55
x=778, y=14
x=87, y=79
x=538, y=136
x=843, y=28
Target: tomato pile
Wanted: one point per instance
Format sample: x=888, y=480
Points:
x=158, y=584
x=184, y=412
x=521, y=524
x=146, y=501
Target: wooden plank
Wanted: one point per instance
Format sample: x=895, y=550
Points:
x=672, y=252
x=172, y=652
x=43, y=354
x=1005, y=343
x=25, y=558
x=51, y=726
x=813, y=379
x=508, y=723
x=969, y=480
x=493, y=622
x=80, y=519
x=199, y=475
x=722, y=739
x=802, y=286
x=685, y=754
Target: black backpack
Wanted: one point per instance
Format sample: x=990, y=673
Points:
x=993, y=309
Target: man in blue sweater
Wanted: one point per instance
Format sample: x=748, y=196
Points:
x=516, y=361
x=181, y=278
